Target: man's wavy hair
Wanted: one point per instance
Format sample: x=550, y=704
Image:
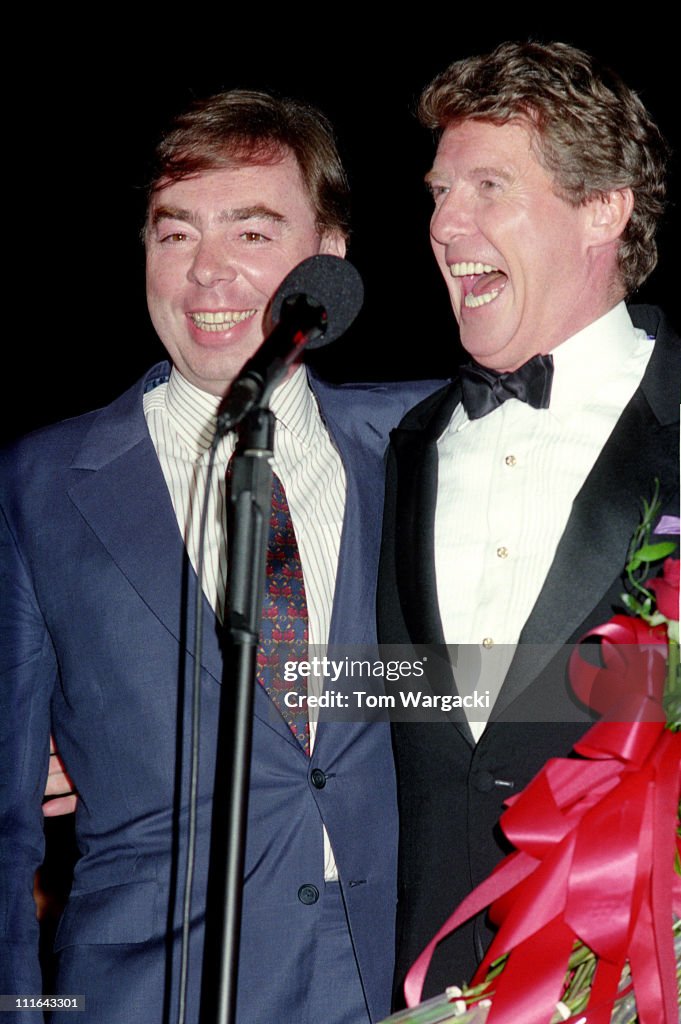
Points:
x=592, y=132
x=239, y=127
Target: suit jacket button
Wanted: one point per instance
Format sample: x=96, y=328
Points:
x=318, y=778
x=308, y=894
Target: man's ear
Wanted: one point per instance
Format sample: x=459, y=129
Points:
x=332, y=244
x=609, y=214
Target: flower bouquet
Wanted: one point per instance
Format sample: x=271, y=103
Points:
x=588, y=906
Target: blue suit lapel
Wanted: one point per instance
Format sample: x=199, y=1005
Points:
x=120, y=491
x=359, y=419
x=352, y=615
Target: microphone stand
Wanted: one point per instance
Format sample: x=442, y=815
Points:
x=248, y=519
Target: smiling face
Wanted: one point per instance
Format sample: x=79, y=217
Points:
x=525, y=270
x=218, y=246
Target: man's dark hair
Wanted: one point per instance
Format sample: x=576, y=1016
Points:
x=238, y=127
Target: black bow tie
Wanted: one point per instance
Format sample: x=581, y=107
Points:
x=484, y=390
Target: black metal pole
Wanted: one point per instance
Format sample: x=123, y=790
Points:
x=250, y=497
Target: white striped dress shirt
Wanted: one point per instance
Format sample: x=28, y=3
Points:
x=181, y=421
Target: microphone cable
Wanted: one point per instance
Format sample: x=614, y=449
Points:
x=194, y=746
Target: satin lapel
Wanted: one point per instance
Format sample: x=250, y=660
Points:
x=416, y=461
x=416, y=458
x=592, y=552
x=121, y=493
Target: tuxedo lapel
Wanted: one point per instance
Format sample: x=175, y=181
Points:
x=415, y=564
x=416, y=460
x=415, y=453
x=592, y=552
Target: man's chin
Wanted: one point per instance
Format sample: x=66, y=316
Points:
x=213, y=367
x=213, y=379
x=497, y=353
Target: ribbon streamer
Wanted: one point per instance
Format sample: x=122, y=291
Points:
x=595, y=842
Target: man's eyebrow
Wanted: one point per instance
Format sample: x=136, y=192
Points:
x=172, y=213
x=257, y=211
x=474, y=172
x=492, y=172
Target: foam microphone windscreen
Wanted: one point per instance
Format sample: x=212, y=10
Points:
x=332, y=283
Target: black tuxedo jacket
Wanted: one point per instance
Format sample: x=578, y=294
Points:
x=451, y=791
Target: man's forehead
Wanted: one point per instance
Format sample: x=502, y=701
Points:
x=246, y=180
x=479, y=141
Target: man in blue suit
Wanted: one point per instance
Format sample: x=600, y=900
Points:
x=98, y=554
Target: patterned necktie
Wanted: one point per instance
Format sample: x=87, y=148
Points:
x=484, y=390
x=284, y=627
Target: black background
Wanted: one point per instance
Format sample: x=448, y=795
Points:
x=86, y=106
x=84, y=100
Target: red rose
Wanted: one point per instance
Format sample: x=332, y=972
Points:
x=666, y=588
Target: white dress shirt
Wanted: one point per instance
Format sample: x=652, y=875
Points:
x=506, y=484
x=181, y=420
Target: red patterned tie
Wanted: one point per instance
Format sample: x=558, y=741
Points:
x=284, y=628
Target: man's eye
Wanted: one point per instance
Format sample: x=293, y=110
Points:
x=489, y=185
x=437, y=191
x=254, y=236
x=173, y=236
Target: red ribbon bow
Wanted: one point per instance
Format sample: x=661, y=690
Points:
x=595, y=842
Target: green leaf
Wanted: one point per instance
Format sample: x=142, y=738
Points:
x=630, y=602
x=653, y=552
x=672, y=707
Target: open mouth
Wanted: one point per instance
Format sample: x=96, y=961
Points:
x=482, y=283
x=219, y=320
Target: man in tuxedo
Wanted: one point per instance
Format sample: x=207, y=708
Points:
x=99, y=549
x=513, y=493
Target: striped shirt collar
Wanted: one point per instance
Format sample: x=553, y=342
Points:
x=193, y=412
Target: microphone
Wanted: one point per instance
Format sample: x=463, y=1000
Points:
x=313, y=306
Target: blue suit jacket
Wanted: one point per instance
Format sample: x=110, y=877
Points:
x=97, y=643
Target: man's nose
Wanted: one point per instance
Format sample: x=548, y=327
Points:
x=452, y=217
x=213, y=261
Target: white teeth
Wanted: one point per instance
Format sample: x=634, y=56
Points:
x=472, y=301
x=464, y=269
x=219, y=320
